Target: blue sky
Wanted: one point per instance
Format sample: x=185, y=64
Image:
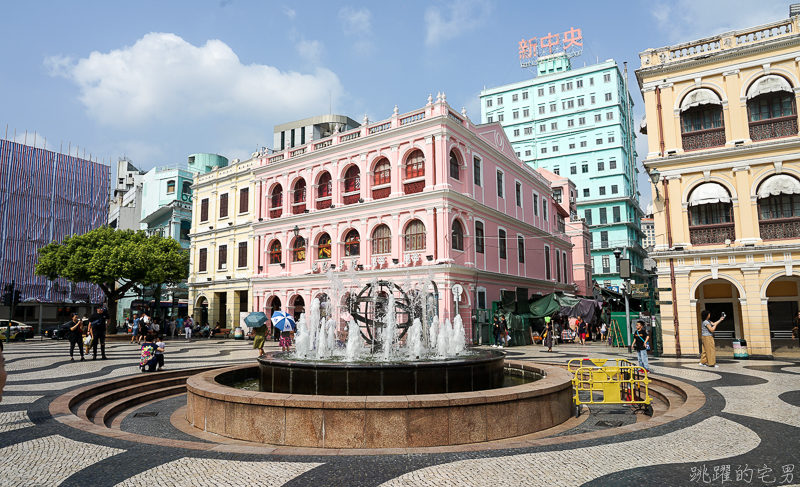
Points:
x=159, y=80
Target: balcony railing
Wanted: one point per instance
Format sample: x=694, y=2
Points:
x=779, y=229
x=326, y=203
x=381, y=193
x=275, y=212
x=298, y=208
x=349, y=199
x=415, y=187
x=711, y=234
x=773, y=128
x=704, y=139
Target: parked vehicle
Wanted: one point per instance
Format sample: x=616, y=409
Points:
x=55, y=333
x=19, y=331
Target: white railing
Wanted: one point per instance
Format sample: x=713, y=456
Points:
x=412, y=118
x=380, y=128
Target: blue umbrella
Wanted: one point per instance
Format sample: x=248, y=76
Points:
x=282, y=321
x=255, y=319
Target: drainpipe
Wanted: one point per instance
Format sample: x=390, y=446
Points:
x=672, y=271
x=660, y=123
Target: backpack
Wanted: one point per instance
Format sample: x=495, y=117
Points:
x=148, y=350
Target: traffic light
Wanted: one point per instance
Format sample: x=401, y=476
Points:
x=7, y=299
x=17, y=297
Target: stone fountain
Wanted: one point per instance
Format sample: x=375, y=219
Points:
x=375, y=367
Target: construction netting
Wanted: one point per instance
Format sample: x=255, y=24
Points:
x=44, y=197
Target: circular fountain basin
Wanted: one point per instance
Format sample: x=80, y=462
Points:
x=476, y=371
x=399, y=421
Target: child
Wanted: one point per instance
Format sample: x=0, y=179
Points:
x=160, y=346
x=148, y=356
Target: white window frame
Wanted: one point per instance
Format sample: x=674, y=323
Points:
x=535, y=203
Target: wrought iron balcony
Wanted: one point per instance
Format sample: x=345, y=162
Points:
x=712, y=234
x=704, y=139
x=779, y=229
x=773, y=128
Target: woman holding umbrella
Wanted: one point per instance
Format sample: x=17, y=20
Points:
x=285, y=323
x=258, y=322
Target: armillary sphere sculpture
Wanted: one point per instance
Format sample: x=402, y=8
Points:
x=370, y=308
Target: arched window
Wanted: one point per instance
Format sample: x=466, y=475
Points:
x=771, y=108
x=415, y=236
x=276, y=200
x=324, y=247
x=275, y=252
x=352, y=244
x=458, y=236
x=324, y=189
x=352, y=180
x=710, y=215
x=382, y=173
x=415, y=164
x=779, y=207
x=701, y=120
x=171, y=186
x=381, y=240
x=299, y=193
x=299, y=250
x=454, y=165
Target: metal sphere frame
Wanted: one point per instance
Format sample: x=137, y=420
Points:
x=367, y=301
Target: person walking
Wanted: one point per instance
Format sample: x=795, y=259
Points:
x=603, y=332
x=97, y=322
x=641, y=343
x=160, y=346
x=135, y=329
x=75, y=335
x=259, y=337
x=497, y=330
x=504, y=330
x=187, y=329
x=178, y=326
x=548, y=333
x=582, y=330
x=709, y=357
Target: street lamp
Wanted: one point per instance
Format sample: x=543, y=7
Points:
x=296, y=231
x=655, y=177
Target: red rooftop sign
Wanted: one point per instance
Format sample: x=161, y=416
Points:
x=570, y=42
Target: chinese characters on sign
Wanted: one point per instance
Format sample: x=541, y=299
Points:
x=570, y=42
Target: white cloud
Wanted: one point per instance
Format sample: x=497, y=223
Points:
x=464, y=16
x=688, y=20
x=356, y=22
x=162, y=78
x=289, y=12
x=310, y=50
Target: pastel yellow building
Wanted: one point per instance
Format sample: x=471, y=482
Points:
x=221, y=262
x=723, y=146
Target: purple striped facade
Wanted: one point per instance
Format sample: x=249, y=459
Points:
x=45, y=196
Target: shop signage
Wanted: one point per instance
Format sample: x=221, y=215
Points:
x=569, y=42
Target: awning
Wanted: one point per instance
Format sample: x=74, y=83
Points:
x=709, y=193
x=779, y=184
x=703, y=96
x=768, y=84
x=643, y=125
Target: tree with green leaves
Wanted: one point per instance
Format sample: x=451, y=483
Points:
x=105, y=256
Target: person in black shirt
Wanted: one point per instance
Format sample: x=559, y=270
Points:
x=98, y=322
x=641, y=343
x=75, y=336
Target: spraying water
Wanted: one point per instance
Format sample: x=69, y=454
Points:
x=303, y=338
x=354, y=346
x=415, y=344
x=433, y=332
x=390, y=330
x=458, y=341
x=442, y=341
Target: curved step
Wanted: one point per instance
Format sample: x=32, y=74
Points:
x=86, y=410
x=81, y=395
x=104, y=415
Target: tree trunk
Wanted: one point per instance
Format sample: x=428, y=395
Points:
x=111, y=326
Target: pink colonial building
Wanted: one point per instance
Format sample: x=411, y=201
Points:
x=566, y=195
x=422, y=193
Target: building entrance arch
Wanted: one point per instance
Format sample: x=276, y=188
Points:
x=200, y=310
x=297, y=306
x=783, y=303
x=718, y=296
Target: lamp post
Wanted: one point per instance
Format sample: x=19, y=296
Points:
x=626, y=289
x=655, y=177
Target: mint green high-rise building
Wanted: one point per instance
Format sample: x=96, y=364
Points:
x=578, y=123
